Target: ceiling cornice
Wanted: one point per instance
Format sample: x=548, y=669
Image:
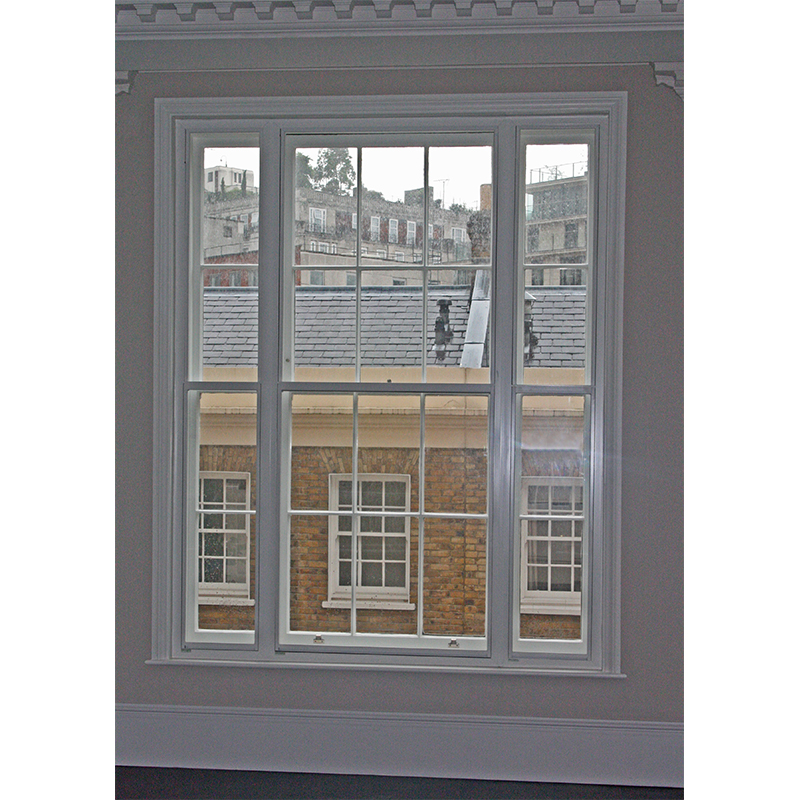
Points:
x=671, y=74
x=270, y=18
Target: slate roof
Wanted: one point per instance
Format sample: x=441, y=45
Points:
x=391, y=325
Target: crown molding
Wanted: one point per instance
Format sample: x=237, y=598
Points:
x=671, y=74
x=266, y=18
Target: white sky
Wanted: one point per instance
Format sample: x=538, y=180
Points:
x=456, y=172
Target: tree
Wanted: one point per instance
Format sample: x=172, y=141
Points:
x=303, y=171
x=244, y=183
x=459, y=208
x=334, y=171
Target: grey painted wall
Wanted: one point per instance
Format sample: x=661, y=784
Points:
x=652, y=523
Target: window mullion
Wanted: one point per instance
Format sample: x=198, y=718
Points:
x=269, y=451
x=499, y=556
x=355, y=527
x=421, y=519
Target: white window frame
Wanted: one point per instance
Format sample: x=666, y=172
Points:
x=533, y=601
x=223, y=593
x=317, y=219
x=393, y=231
x=263, y=120
x=411, y=232
x=339, y=595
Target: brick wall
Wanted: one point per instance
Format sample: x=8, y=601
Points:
x=454, y=550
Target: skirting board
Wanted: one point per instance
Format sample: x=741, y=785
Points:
x=419, y=745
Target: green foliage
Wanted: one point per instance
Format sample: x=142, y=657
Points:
x=334, y=171
x=303, y=171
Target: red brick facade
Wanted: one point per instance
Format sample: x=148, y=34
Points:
x=454, y=549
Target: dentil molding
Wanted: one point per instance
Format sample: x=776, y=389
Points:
x=335, y=17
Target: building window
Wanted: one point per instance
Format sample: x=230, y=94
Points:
x=571, y=277
x=316, y=219
x=393, y=231
x=379, y=536
x=223, y=536
x=552, y=524
x=431, y=461
x=570, y=235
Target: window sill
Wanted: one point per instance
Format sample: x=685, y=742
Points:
x=384, y=605
x=225, y=601
x=550, y=608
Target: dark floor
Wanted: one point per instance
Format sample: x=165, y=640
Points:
x=138, y=783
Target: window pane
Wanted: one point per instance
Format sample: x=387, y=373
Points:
x=308, y=575
x=458, y=326
x=235, y=491
x=456, y=438
x=236, y=545
x=551, y=458
x=325, y=229
x=395, y=575
x=212, y=491
x=322, y=445
x=392, y=213
x=390, y=325
x=229, y=327
x=388, y=444
x=212, y=544
x=235, y=570
x=324, y=330
x=454, y=577
x=224, y=453
x=460, y=187
x=230, y=210
x=556, y=205
x=555, y=296
x=395, y=548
